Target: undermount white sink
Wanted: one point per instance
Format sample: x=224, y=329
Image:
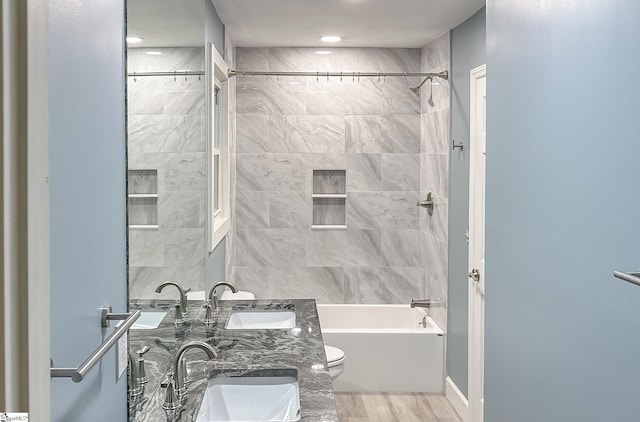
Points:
x=261, y=319
x=149, y=320
x=250, y=398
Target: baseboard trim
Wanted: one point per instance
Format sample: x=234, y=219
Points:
x=457, y=399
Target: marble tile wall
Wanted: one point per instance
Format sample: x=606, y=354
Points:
x=166, y=132
x=286, y=128
x=434, y=176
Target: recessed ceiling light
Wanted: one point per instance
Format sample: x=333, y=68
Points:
x=134, y=40
x=323, y=52
x=330, y=38
x=153, y=53
x=294, y=83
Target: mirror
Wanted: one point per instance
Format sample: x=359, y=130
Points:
x=166, y=145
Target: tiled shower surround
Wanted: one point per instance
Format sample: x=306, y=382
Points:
x=434, y=176
x=286, y=128
x=166, y=133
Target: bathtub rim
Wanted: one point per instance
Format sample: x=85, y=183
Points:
x=433, y=327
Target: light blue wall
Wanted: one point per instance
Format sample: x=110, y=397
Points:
x=214, y=33
x=88, y=197
x=467, y=52
x=214, y=28
x=562, y=335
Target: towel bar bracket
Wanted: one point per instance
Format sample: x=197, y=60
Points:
x=78, y=374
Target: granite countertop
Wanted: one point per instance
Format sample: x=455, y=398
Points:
x=299, y=348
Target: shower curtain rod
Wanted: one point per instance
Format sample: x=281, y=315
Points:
x=175, y=73
x=352, y=74
x=380, y=75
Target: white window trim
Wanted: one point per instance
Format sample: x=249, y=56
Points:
x=218, y=221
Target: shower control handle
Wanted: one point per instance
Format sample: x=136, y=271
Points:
x=474, y=275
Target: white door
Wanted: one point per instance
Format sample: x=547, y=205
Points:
x=477, y=149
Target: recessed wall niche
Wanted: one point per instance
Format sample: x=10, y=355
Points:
x=329, y=199
x=143, y=199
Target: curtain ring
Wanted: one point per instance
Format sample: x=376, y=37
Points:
x=174, y=76
x=134, y=77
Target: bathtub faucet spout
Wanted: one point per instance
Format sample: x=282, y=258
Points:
x=426, y=303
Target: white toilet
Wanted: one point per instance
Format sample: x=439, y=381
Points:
x=335, y=361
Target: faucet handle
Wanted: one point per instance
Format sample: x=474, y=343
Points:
x=171, y=401
x=178, y=315
x=142, y=351
x=142, y=373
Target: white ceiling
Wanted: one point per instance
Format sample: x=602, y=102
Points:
x=362, y=23
x=166, y=23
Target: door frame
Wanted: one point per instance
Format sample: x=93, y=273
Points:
x=476, y=306
x=24, y=210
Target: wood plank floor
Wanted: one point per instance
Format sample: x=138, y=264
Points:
x=383, y=407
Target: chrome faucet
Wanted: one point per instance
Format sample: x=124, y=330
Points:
x=211, y=304
x=426, y=303
x=135, y=386
x=137, y=376
x=183, y=295
x=176, y=393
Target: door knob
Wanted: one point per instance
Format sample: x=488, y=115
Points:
x=474, y=275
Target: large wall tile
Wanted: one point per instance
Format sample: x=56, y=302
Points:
x=343, y=248
x=398, y=98
x=252, y=59
x=364, y=172
x=385, y=210
x=146, y=248
x=290, y=210
x=401, y=172
x=436, y=54
x=373, y=129
x=268, y=98
x=271, y=172
x=270, y=247
x=319, y=134
x=401, y=248
x=382, y=284
x=325, y=285
x=184, y=247
x=167, y=133
x=348, y=97
x=252, y=209
x=184, y=102
x=184, y=172
x=434, y=127
x=145, y=97
x=181, y=209
x=434, y=174
x=387, y=60
x=437, y=224
x=303, y=60
x=375, y=133
x=252, y=133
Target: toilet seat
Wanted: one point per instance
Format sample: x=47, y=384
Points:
x=335, y=356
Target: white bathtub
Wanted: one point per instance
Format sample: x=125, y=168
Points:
x=386, y=349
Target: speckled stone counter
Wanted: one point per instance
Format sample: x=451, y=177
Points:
x=300, y=348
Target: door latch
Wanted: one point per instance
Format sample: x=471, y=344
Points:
x=474, y=275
